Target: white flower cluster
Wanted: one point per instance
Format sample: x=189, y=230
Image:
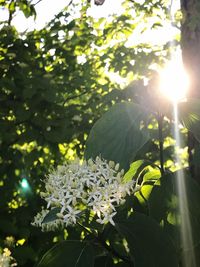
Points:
x=74, y=187
x=6, y=260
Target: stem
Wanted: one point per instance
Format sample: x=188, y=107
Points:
x=106, y=246
x=113, y=251
x=160, y=133
x=11, y=12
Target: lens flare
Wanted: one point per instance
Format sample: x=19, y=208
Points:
x=187, y=242
x=174, y=81
x=24, y=183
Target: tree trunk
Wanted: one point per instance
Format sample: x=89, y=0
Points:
x=190, y=43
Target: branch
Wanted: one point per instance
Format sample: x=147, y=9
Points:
x=106, y=246
x=37, y=2
x=10, y=13
x=74, y=97
x=113, y=251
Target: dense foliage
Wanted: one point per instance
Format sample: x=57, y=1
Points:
x=56, y=85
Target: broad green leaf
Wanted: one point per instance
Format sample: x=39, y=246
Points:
x=189, y=115
x=122, y=264
x=149, y=245
x=103, y=261
x=6, y=226
x=118, y=135
x=69, y=253
x=143, y=172
x=134, y=170
x=138, y=167
x=164, y=202
x=143, y=194
x=51, y=216
x=151, y=175
x=24, y=253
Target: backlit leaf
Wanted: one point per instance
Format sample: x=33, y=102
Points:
x=164, y=202
x=148, y=244
x=69, y=253
x=189, y=115
x=118, y=135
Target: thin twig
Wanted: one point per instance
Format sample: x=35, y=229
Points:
x=74, y=97
x=37, y=2
x=106, y=246
x=160, y=133
x=113, y=251
x=10, y=13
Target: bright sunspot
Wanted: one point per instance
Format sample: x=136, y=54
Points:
x=174, y=81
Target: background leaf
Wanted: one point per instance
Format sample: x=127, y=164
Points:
x=149, y=245
x=69, y=253
x=135, y=168
x=118, y=135
x=189, y=115
x=163, y=206
x=104, y=261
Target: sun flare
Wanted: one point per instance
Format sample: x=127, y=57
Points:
x=174, y=81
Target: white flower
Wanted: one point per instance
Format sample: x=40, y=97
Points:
x=6, y=260
x=94, y=184
x=71, y=215
x=107, y=218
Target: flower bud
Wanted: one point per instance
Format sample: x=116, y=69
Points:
x=123, y=194
x=137, y=188
x=117, y=167
x=111, y=164
x=94, y=168
x=48, y=187
x=122, y=172
x=84, y=194
x=102, y=179
x=43, y=194
x=84, y=201
x=74, y=184
x=59, y=215
x=56, y=195
x=123, y=201
x=98, y=160
x=90, y=162
x=118, y=177
x=74, y=202
x=56, y=203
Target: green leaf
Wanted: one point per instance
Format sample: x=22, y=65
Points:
x=143, y=194
x=149, y=245
x=118, y=135
x=164, y=201
x=103, y=261
x=7, y=226
x=152, y=175
x=122, y=264
x=12, y=6
x=189, y=115
x=139, y=167
x=134, y=170
x=51, y=216
x=69, y=253
x=24, y=253
x=27, y=9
